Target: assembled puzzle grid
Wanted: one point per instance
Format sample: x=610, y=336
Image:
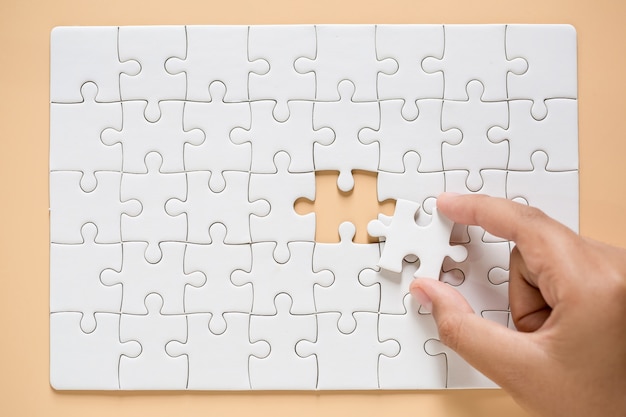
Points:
x=177, y=260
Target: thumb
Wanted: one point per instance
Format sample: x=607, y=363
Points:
x=501, y=354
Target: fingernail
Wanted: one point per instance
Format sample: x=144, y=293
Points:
x=423, y=299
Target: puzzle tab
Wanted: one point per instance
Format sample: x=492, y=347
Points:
x=177, y=259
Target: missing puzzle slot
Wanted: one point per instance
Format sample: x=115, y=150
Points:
x=333, y=206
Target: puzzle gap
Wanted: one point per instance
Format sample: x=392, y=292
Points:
x=333, y=206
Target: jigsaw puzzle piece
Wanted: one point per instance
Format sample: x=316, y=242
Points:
x=475, y=152
x=216, y=53
x=218, y=361
x=475, y=52
x=281, y=46
x=295, y=277
x=355, y=116
x=87, y=361
x=140, y=136
x=460, y=374
x=412, y=367
x=551, y=54
x=482, y=258
x=283, y=367
x=347, y=361
x=153, y=368
x=217, y=153
x=397, y=136
x=218, y=295
x=403, y=236
x=494, y=182
x=345, y=52
x=409, y=45
x=556, y=134
x=82, y=54
x=411, y=184
x=296, y=136
x=231, y=207
x=75, y=277
x=550, y=191
x=153, y=189
x=140, y=277
x=71, y=207
x=75, y=131
x=346, y=295
x=282, y=225
x=150, y=47
x=394, y=286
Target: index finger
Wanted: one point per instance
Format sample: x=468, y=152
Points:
x=507, y=219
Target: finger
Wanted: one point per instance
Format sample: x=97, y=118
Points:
x=529, y=308
x=526, y=226
x=483, y=344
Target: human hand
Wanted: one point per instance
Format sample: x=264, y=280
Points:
x=567, y=297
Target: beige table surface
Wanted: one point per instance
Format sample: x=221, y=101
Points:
x=24, y=249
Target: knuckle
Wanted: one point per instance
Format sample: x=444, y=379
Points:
x=531, y=214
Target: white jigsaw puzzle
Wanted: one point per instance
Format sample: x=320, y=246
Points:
x=177, y=260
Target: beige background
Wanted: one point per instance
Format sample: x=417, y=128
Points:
x=24, y=64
